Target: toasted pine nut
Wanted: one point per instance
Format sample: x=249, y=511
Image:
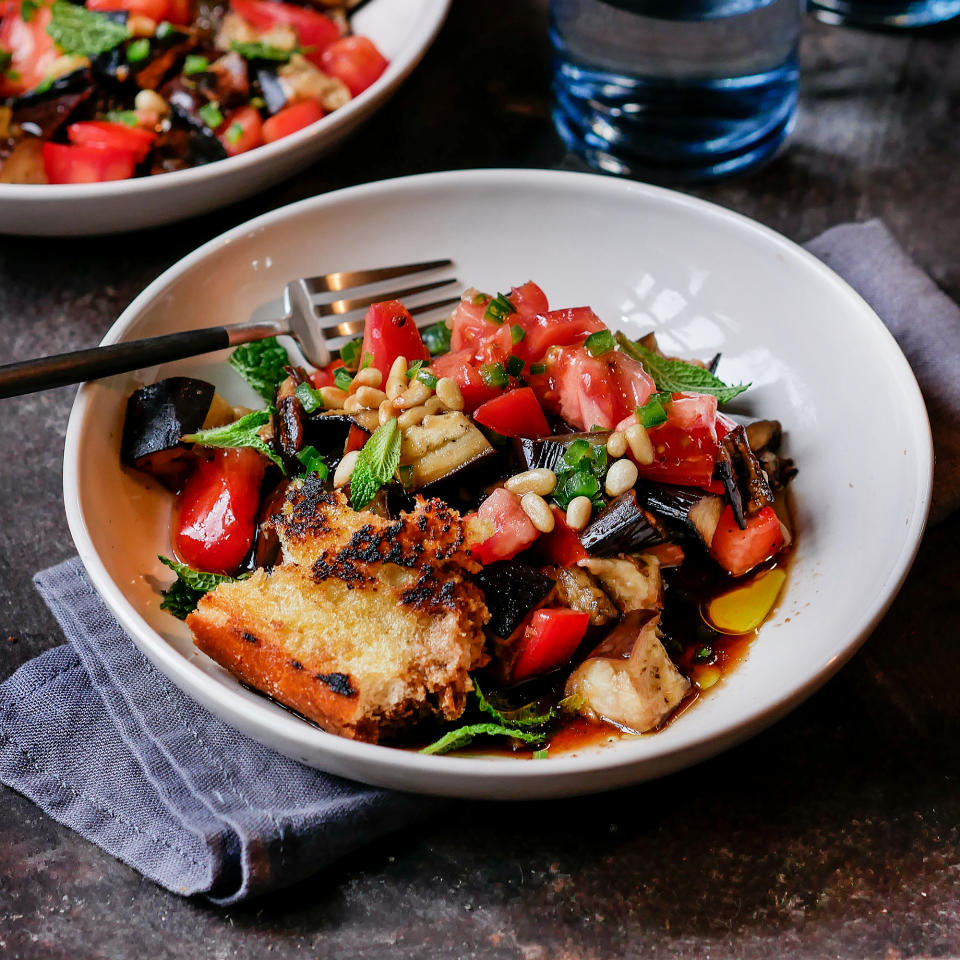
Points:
x=449, y=393
x=540, y=514
x=370, y=397
x=333, y=397
x=621, y=476
x=341, y=475
x=397, y=380
x=369, y=377
x=541, y=481
x=141, y=26
x=151, y=100
x=398, y=368
x=352, y=404
x=418, y=392
x=434, y=405
x=578, y=513
x=386, y=411
x=640, y=445
x=616, y=444
x=411, y=417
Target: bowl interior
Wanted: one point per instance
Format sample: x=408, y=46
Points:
x=706, y=280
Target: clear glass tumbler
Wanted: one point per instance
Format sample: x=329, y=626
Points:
x=885, y=13
x=675, y=91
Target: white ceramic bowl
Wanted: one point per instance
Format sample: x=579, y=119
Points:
x=706, y=279
x=401, y=29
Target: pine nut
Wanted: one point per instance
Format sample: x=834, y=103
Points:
x=352, y=404
x=578, y=513
x=621, y=476
x=370, y=377
x=398, y=368
x=541, y=481
x=370, y=397
x=640, y=445
x=418, y=392
x=152, y=101
x=434, y=405
x=411, y=417
x=141, y=26
x=386, y=411
x=333, y=397
x=449, y=393
x=616, y=444
x=540, y=514
x=341, y=476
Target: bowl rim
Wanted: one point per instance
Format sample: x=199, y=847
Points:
x=420, y=40
x=469, y=772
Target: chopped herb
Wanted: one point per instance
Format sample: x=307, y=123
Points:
x=494, y=375
x=580, y=472
x=514, y=366
x=43, y=86
x=525, y=716
x=313, y=462
x=261, y=364
x=138, y=50
x=234, y=133
x=463, y=736
x=498, y=309
x=677, y=376
x=703, y=654
x=517, y=333
x=654, y=411
x=127, y=117
x=367, y=361
x=310, y=399
x=81, y=32
x=5, y=57
x=342, y=378
x=376, y=465
x=480, y=298
x=350, y=353
x=13, y=75
x=195, y=63
x=416, y=371
x=436, y=338
x=536, y=368
x=164, y=30
x=183, y=595
x=540, y=754
x=27, y=9
x=599, y=343
x=210, y=114
x=258, y=103
x=261, y=51
x=244, y=432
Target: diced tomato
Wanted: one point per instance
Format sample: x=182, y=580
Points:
x=459, y=367
x=218, y=510
x=180, y=11
x=529, y=299
x=514, y=414
x=562, y=545
x=556, y=328
x=550, y=640
x=739, y=551
x=356, y=438
x=242, y=131
x=71, y=164
x=291, y=119
x=323, y=377
x=389, y=332
x=494, y=349
x=469, y=327
x=635, y=384
x=313, y=30
x=31, y=49
x=156, y=10
x=513, y=529
x=117, y=136
x=354, y=60
x=685, y=446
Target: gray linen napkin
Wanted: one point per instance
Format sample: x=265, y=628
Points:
x=102, y=742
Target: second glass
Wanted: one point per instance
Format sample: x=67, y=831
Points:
x=675, y=91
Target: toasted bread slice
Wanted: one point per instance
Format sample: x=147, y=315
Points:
x=367, y=627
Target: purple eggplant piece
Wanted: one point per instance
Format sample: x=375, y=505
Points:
x=623, y=527
x=512, y=589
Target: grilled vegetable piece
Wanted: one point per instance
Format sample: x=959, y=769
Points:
x=687, y=510
x=443, y=445
x=752, y=484
x=157, y=416
x=290, y=418
x=512, y=590
x=632, y=583
x=578, y=590
x=764, y=435
x=624, y=527
x=628, y=679
x=547, y=451
x=549, y=641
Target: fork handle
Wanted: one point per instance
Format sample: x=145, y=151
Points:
x=29, y=376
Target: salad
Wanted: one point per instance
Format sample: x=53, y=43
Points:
x=113, y=89
x=514, y=529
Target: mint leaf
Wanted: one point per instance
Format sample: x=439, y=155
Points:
x=311, y=400
x=462, y=736
x=377, y=463
x=676, y=376
x=82, y=32
x=183, y=595
x=526, y=716
x=261, y=364
x=244, y=432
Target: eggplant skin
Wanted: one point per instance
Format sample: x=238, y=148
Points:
x=624, y=527
x=685, y=509
x=547, y=451
x=511, y=590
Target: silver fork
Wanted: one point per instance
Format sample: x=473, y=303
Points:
x=318, y=325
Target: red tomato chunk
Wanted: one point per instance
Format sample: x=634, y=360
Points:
x=514, y=414
x=550, y=640
x=291, y=119
x=739, y=551
x=355, y=61
x=513, y=530
x=115, y=136
x=72, y=164
x=389, y=332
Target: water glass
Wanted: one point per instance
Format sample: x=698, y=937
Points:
x=675, y=91
x=884, y=13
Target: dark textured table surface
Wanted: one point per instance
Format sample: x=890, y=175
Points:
x=836, y=833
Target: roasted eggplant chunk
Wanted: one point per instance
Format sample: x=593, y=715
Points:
x=442, y=446
x=686, y=510
x=753, y=491
x=511, y=590
x=547, y=451
x=158, y=415
x=580, y=591
x=624, y=527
